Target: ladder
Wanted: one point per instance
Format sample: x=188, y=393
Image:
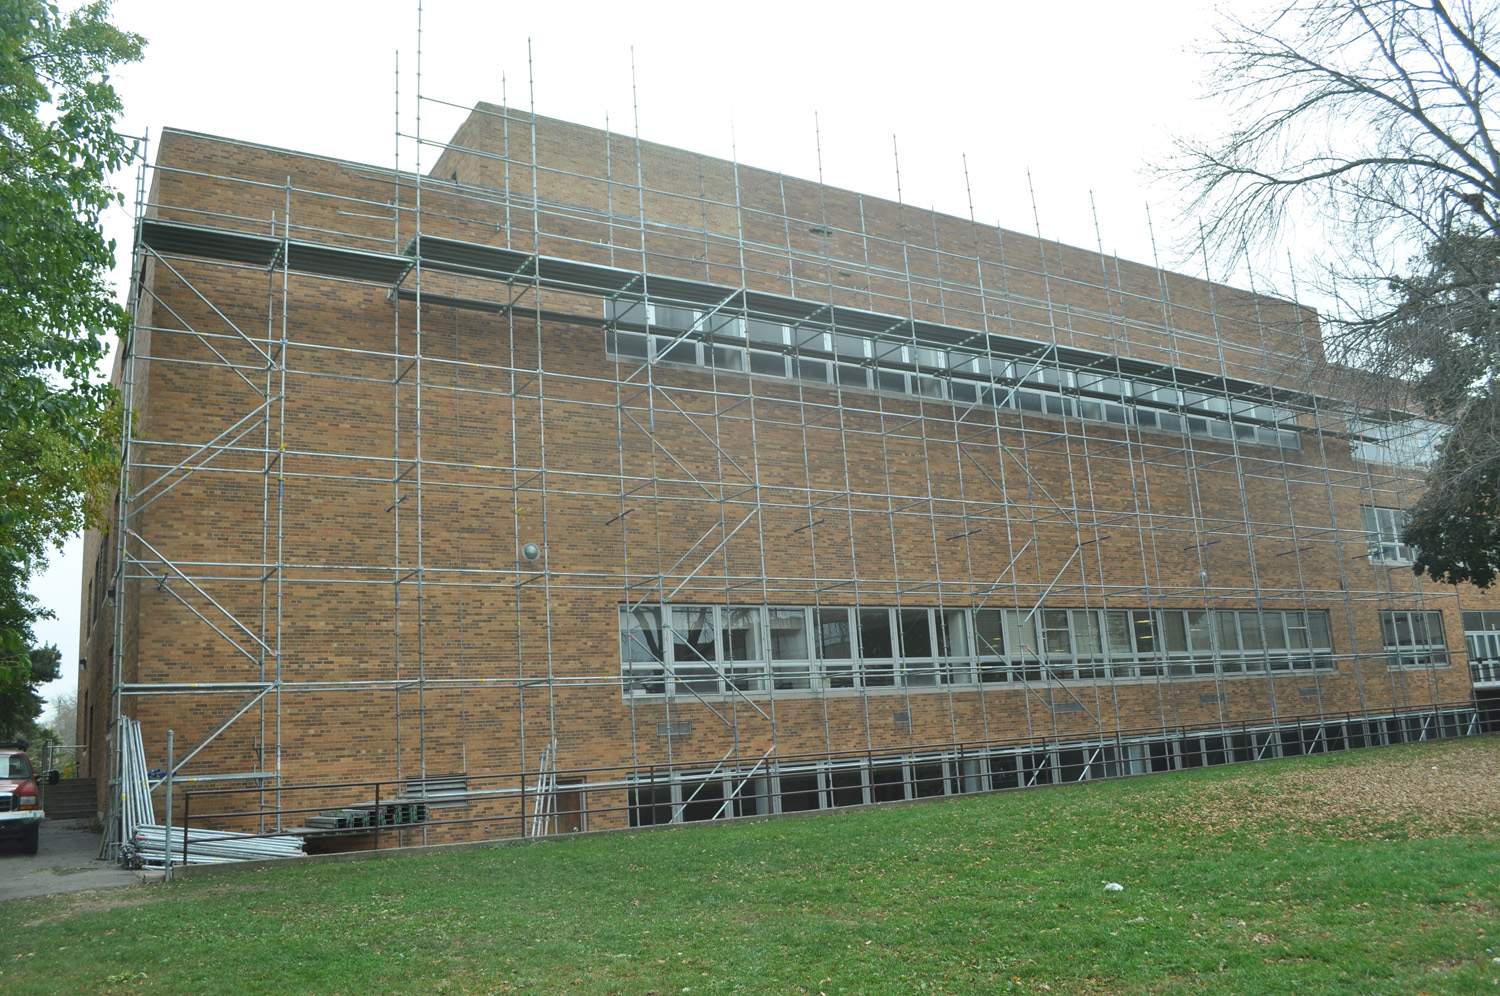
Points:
x=546, y=783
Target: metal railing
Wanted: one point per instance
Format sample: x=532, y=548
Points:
x=68, y=760
x=1485, y=672
x=509, y=804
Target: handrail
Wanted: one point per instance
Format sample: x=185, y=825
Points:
x=1216, y=744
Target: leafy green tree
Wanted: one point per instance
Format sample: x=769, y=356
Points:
x=58, y=314
x=1443, y=337
x=20, y=702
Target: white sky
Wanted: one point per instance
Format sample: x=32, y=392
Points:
x=1087, y=95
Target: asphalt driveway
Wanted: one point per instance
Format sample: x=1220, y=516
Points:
x=65, y=862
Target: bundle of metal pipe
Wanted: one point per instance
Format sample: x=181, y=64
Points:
x=135, y=786
x=210, y=847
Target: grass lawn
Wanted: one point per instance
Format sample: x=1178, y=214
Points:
x=1376, y=871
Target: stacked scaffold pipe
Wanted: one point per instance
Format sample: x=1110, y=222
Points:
x=211, y=847
x=136, y=808
x=146, y=839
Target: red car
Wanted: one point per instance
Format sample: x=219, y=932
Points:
x=20, y=799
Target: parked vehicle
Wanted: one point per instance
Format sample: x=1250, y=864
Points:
x=20, y=797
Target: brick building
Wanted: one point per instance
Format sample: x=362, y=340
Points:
x=580, y=482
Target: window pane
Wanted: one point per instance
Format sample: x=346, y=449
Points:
x=767, y=332
x=929, y=359
x=728, y=326
x=813, y=370
x=1435, y=635
x=834, y=639
x=1086, y=637
x=953, y=633
x=626, y=311
x=846, y=786
x=628, y=344
x=1020, y=635
x=675, y=318
x=1317, y=625
x=1296, y=630
x=1229, y=634
x=927, y=387
x=852, y=376
x=741, y=634
x=800, y=792
x=729, y=358
x=988, y=637
x=916, y=636
x=641, y=651
x=773, y=364
x=1199, y=640
x=1175, y=631
x=692, y=633
x=789, y=635
x=641, y=632
x=1143, y=624
x=1275, y=635
x=1250, y=631
x=1117, y=632
x=685, y=351
x=851, y=345
x=792, y=676
x=1055, y=633
x=875, y=634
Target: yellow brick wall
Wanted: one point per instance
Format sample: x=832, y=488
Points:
x=940, y=500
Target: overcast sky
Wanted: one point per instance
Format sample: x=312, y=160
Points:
x=1086, y=96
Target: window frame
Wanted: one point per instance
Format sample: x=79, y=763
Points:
x=1383, y=527
x=1415, y=654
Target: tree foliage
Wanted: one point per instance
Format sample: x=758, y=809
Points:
x=1370, y=121
x=58, y=313
x=20, y=701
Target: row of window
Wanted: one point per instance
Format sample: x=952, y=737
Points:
x=788, y=788
x=1413, y=443
x=699, y=650
x=740, y=345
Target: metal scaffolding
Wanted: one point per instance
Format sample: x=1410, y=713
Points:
x=546, y=263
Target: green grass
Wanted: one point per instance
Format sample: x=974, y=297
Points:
x=1286, y=875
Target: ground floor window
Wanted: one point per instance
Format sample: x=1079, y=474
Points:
x=768, y=788
x=1482, y=637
